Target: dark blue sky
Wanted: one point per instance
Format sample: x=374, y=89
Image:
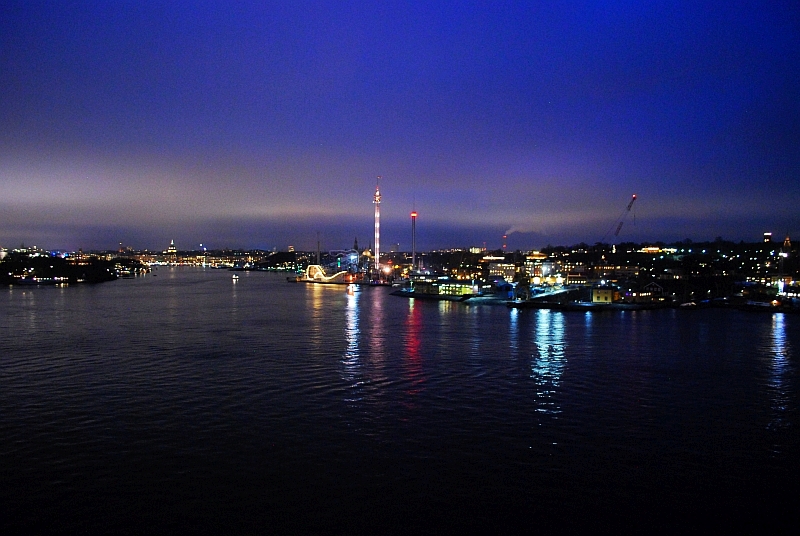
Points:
x=259, y=124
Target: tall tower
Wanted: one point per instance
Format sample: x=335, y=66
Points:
x=413, y=240
x=377, y=201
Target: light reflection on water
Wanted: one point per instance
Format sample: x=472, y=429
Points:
x=378, y=331
x=387, y=400
x=413, y=368
x=780, y=389
x=351, y=363
x=550, y=359
x=27, y=302
x=513, y=332
x=317, y=314
x=445, y=306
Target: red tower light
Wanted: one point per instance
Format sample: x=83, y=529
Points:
x=413, y=240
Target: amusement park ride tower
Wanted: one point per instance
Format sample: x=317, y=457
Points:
x=413, y=240
x=377, y=201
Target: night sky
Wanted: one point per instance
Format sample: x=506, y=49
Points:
x=261, y=124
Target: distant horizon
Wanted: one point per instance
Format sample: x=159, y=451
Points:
x=327, y=243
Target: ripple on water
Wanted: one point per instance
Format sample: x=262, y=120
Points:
x=183, y=394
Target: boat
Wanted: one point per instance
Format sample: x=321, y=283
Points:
x=439, y=289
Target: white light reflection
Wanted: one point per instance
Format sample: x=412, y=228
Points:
x=780, y=391
x=548, y=363
x=351, y=363
x=234, y=302
x=351, y=330
x=513, y=331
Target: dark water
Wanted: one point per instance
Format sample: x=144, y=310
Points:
x=189, y=403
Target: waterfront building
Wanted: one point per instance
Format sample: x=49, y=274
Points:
x=636, y=294
x=605, y=294
x=576, y=278
x=502, y=269
x=655, y=290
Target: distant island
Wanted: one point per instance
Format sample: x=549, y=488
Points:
x=40, y=268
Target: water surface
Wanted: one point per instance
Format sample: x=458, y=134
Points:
x=186, y=401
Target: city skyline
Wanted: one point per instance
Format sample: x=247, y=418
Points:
x=264, y=125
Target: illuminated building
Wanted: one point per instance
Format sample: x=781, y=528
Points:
x=502, y=269
x=605, y=294
x=171, y=253
x=577, y=278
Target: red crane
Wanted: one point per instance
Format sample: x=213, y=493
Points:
x=617, y=226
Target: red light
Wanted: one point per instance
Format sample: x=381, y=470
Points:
x=413, y=214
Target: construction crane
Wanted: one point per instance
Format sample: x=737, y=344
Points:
x=617, y=225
